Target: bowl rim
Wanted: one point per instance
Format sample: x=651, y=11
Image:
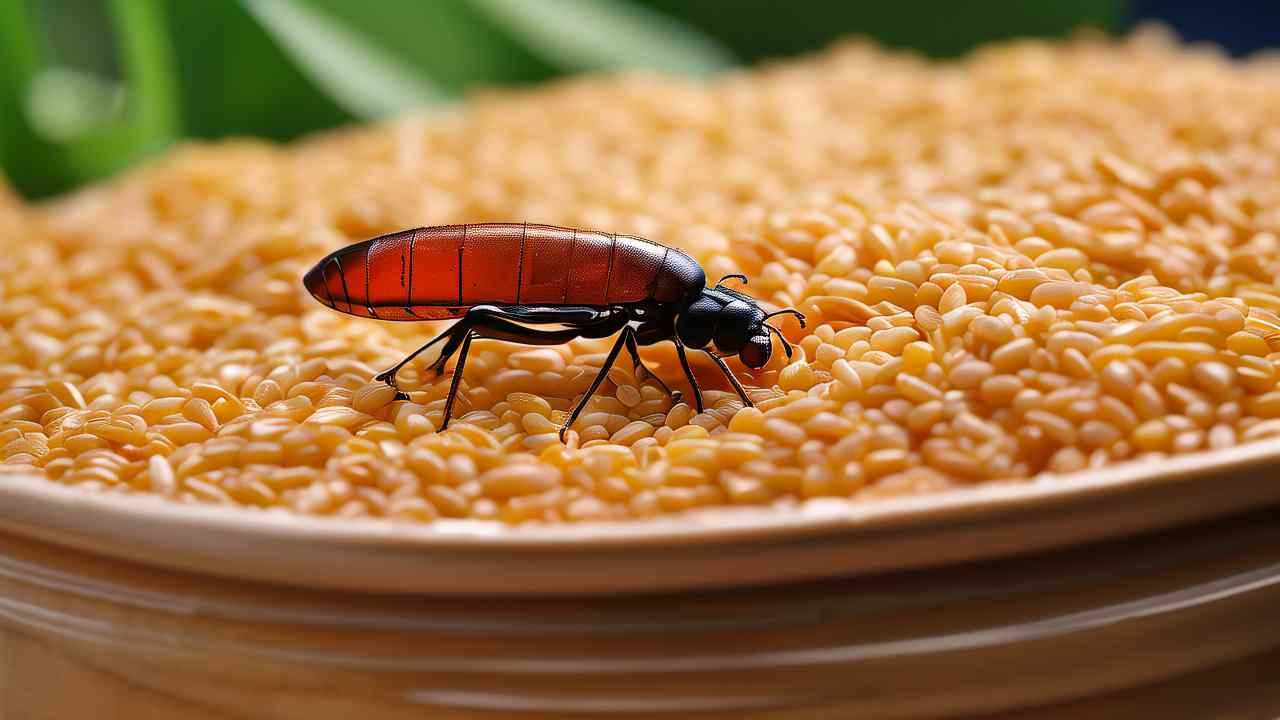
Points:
x=137, y=527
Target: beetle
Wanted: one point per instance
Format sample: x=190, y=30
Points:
x=501, y=279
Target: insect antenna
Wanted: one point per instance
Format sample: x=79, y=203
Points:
x=739, y=276
x=788, y=311
x=786, y=346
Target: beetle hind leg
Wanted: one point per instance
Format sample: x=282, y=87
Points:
x=388, y=376
x=501, y=323
x=456, y=340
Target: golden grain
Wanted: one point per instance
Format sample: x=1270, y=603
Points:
x=372, y=398
x=1040, y=273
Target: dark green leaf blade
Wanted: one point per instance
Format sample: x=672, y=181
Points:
x=235, y=79
x=596, y=34
x=365, y=79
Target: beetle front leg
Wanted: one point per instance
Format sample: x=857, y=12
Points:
x=733, y=379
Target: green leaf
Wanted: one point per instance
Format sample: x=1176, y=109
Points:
x=151, y=119
x=96, y=143
x=385, y=57
x=18, y=51
x=63, y=104
x=450, y=43
x=20, y=59
x=594, y=34
x=234, y=78
x=147, y=58
x=364, y=79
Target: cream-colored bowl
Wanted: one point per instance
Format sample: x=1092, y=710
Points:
x=133, y=607
x=1137, y=625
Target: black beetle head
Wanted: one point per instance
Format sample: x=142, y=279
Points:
x=734, y=323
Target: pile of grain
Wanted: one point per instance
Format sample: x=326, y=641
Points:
x=1041, y=259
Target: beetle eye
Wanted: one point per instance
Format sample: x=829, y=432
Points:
x=756, y=352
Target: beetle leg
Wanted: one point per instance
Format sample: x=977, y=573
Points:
x=688, y=372
x=595, y=384
x=498, y=329
x=451, y=347
x=634, y=350
x=499, y=323
x=389, y=376
x=733, y=380
x=457, y=379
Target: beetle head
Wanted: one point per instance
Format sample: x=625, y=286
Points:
x=734, y=324
x=755, y=353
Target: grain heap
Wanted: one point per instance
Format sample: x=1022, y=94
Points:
x=1041, y=259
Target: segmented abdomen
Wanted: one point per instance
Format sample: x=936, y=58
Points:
x=438, y=272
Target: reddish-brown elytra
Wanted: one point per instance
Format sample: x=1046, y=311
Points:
x=502, y=278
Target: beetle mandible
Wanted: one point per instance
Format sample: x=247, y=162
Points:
x=502, y=278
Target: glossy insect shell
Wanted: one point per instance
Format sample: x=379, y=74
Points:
x=434, y=273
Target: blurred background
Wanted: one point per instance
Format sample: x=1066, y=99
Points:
x=89, y=87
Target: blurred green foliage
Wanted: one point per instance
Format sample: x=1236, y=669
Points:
x=88, y=87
